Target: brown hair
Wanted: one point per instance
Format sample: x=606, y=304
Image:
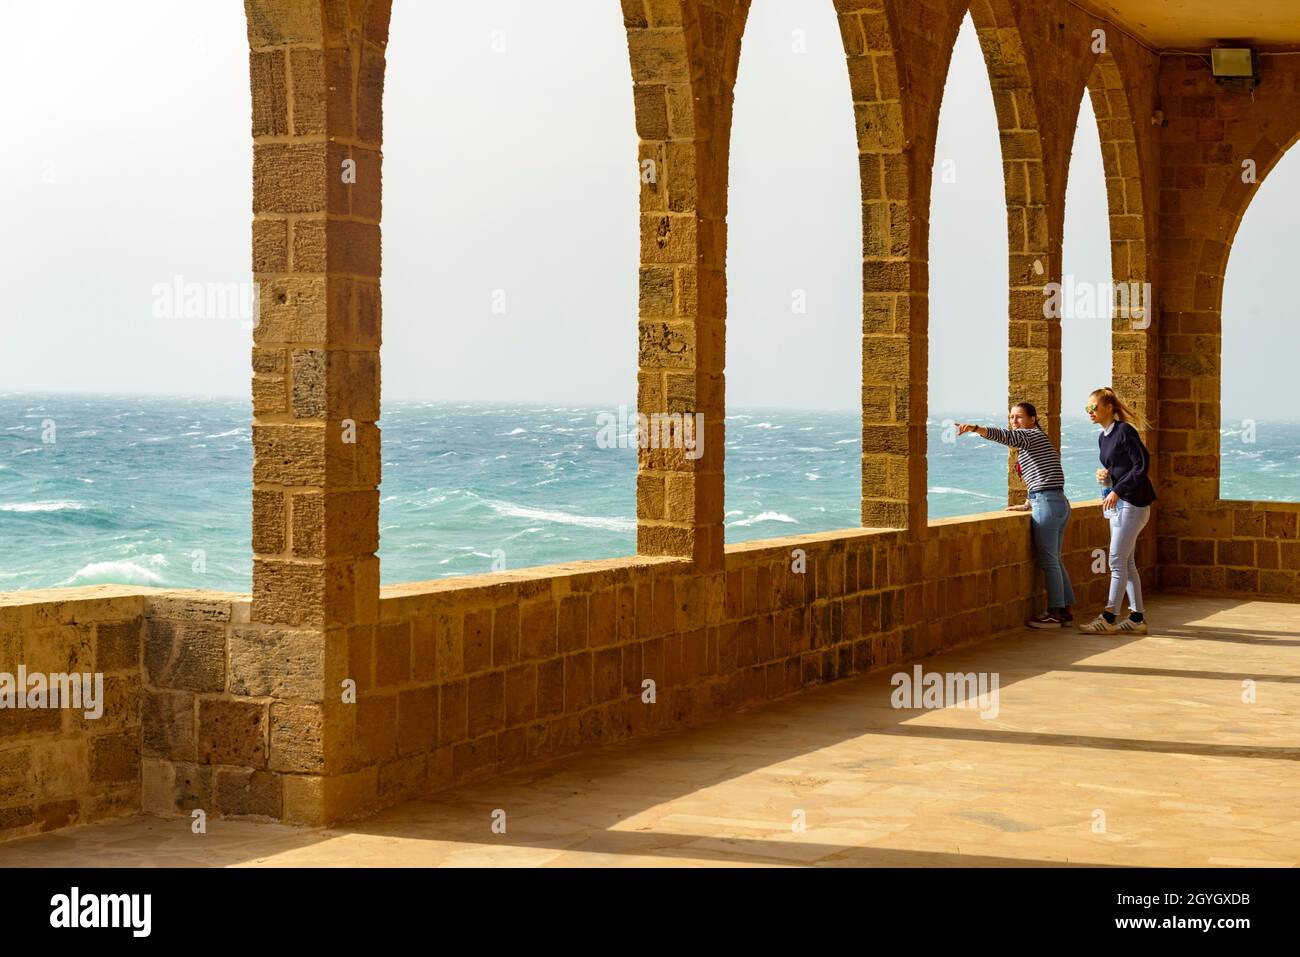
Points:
x=1029, y=410
x=1121, y=411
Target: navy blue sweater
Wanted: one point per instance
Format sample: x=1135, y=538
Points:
x=1127, y=461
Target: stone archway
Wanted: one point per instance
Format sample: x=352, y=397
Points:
x=1207, y=182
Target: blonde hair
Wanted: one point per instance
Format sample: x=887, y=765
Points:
x=1121, y=411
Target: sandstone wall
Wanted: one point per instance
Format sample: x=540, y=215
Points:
x=57, y=767
x=1206, y=543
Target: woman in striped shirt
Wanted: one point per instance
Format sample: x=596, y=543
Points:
x=1039, y=463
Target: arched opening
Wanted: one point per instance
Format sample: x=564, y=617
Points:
x=969, y=251
x=510, y=288
x=794, y=287
x=1084, y=301
x=124, y=421
x=1259, y=428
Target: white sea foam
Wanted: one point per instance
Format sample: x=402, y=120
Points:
x=43, y=507
x=119, y=573
x=764, y=517
x=561, y=518
x=945, y=490
x=223, y=435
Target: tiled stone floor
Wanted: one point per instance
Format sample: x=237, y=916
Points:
x=1104, y=750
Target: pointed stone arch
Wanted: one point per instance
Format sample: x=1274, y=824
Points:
x=1224, y=220
x=898, y=58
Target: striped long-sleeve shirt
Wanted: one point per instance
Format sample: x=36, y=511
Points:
x=1040, y=463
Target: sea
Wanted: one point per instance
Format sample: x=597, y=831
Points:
x=155, y=490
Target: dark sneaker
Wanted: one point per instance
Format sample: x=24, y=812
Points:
x=1045, y=620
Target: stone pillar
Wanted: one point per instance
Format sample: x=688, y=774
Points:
x=1034, y=247
x=683, y=58
x=894, y=285
x=317, y=69
x=1133, y=336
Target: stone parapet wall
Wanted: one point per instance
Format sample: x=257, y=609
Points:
x=58, y=767
x=465, y=678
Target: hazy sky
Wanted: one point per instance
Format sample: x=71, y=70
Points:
x=510, y=175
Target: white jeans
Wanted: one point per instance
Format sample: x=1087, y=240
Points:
x=1125, y=524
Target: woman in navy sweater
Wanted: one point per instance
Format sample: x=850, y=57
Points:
x=1128, y=499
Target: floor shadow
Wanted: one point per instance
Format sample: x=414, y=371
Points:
x=1238, y=636
x=1182, y=673
x=1094, y=741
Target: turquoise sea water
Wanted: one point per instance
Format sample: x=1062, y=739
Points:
x=156, y=490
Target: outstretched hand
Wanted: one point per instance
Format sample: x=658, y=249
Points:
x=964, y=427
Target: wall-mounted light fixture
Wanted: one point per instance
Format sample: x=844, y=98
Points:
x=1235, y=67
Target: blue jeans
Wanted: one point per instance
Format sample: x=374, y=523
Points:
x=1049, y=514
x=1125, y=525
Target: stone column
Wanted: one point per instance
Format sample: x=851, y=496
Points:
x=1034, y=247
x=683, y=58
x=895, y=296
x=1134, y=330
x=317, y=69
